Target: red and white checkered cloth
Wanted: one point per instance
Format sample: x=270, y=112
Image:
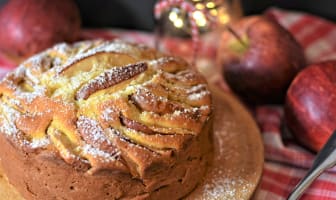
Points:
x=286, y=161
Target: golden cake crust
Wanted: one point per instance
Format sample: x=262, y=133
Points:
x=106, y=120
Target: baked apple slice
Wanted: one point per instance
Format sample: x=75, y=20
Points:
x=100, y=150
x=87, y=62
x=63, y=144
x=142, y=161
x=169, y=64
x=129, y=123
x=158, y=141
x=93, y=134
x=110, y=78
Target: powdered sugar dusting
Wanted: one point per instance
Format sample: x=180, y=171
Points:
x=219, y=187
x=109, y=78
x=157, y=62
x=107, y=114
x=39, y=143
x=146, y=96
x=116, y=46
x=224, y=181
x=32, y=77
x=19, y=72
x=196, y=88
x=91, y=131
x=97, y=143
x=168, y=64
x=30, y=96
x=198, y=96
x=97, y=153
x=63, y=48
x=38, y=62
x=8, y=118
x=191, y=111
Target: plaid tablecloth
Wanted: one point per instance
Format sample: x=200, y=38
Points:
x=286, y=162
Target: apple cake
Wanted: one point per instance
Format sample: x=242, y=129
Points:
x=104, y=120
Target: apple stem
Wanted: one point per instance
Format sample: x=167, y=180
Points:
x=235, y=34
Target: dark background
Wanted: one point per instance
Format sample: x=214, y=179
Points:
x=138, y=14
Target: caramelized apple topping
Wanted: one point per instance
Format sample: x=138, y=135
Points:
x=94, y=135
x=110, y=78
x=169, y=64
x=106, y=105
x=129, y=123
x=147, y=101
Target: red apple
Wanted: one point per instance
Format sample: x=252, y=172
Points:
x=261, y=66
x=310, y=110
x=29, y=26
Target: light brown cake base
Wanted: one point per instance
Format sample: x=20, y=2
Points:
x=238, y=155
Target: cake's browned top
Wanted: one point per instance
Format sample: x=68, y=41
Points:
x=110, y=105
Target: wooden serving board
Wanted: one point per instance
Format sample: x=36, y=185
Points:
x=238, y=155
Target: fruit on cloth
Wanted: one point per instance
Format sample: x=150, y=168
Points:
x=29, y=26
x=260, y=60
x=310, y=109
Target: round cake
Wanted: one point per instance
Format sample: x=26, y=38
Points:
x=104, y=120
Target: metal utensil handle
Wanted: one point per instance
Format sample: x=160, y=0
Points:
x=325, y=159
